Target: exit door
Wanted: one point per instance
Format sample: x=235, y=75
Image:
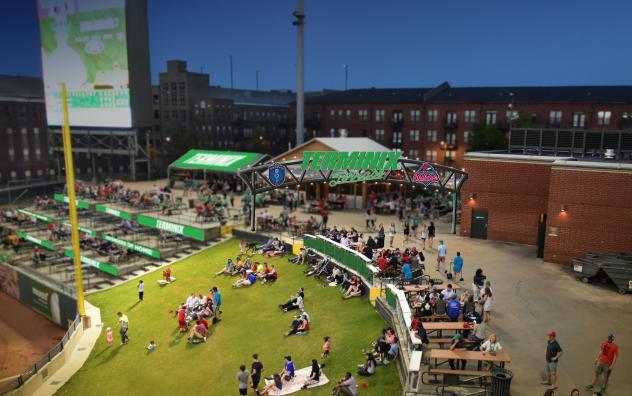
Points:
x=479, y=224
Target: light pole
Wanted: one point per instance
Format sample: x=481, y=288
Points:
x=511, y=116
x=231, y=71
x=346, y=67
x=299, y=22
x=257, y=80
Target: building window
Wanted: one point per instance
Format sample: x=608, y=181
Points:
x=340, y=113
x=332, y=114
x=174, y=98
x=10, y=145
x=431, y=155
x=183, y=100
x=451, y=118
x=413, y=153
x=432, y=136
x=512, y=115
x=450, y=138
x=379, y=115
x=470, y=116
x=626, y=116
x=450, y=155
x=414, y=135
x=433, y=115
x=14, y=175
x=332, y=132
x=37, y=145
x=490, y=118
x=397, y=137
x=555, y=117
x=415, y=115
x=363, y=115
x=348, y=114
x=27, y=174
x=603, y=117
x=182, y=87
x=379, y=134
x=466, y=136
x=173, y=87
x=25, y=145
x=40, y=172
x=579, y=120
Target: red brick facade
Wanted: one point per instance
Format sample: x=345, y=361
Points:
x=598, y=205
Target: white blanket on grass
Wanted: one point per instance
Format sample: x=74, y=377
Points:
x=295, y=385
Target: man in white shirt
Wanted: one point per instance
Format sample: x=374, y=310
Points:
x=191, y=302
x=447, y=293
x=442, y=250
x=344, y=241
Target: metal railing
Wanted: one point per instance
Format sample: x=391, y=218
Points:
x=21, y=379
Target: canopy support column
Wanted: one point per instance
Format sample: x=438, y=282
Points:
x=454, y=200
x=253, y=203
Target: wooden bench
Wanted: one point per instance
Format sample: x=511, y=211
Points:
x=440, y=340
x=473, y=373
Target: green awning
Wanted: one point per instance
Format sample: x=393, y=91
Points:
x=219, y=161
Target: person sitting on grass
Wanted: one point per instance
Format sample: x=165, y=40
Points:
x=393, y=351
x=198, y=333
x=368, y=368
x=279, y=250
x=355, y=290
x=275, y=386
x=346, y=386
x=314, y=376
x=292, y=300
x=297, y=303
x=268, y=246
x=229, y=268
x=300, y=325
x=271, y=276
x=247, y=279
x=288, y=370
x=263, y=270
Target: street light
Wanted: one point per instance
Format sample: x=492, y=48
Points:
x=511, y=116
x=346, y=67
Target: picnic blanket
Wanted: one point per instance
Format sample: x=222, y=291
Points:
x=295, y=385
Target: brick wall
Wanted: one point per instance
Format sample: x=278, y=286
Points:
x=598, y=215
x=514, y=193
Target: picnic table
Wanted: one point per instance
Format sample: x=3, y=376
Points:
x=337, y=204
x=424, y=288
x=500, y=357
x=439, y=327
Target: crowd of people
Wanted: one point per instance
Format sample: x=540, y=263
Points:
x=194, y=313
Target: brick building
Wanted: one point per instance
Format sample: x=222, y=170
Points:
x=225, y=119
x=566, y=206
x=436, y=124
x=24, y=151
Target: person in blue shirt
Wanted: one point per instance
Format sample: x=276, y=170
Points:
x=457, y=266
x=288, y=371
x=217, y=303
x=454, y=308
x=406, y=272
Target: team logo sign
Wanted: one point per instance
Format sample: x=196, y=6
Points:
x=276, y=175
x=426, y=175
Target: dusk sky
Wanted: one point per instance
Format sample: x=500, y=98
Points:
x=402, y=43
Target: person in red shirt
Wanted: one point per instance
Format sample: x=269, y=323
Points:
x=381, y=263
x=182, y=314
x=203, y=322
x=608, y=354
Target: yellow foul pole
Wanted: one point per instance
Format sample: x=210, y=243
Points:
x=72, y=202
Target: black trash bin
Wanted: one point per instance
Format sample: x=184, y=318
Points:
x=501, y=381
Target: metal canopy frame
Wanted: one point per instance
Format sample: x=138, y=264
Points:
x=255, y=178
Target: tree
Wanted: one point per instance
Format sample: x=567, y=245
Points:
x=488, y=137
x=524, y=120
x=180, y=140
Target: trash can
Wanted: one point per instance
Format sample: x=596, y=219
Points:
x=501, y=381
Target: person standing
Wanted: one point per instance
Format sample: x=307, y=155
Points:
x=141, y=290
x=380, y=236
x=324, y=214
x=457, y=266
x=608, y=354
x=431, y=234
x=217, y=303
x=406, y=231
x=255, y=372
x=442, y=250
x=242, y=377
x=124, y=323
x=391, y=234
x=553, y=354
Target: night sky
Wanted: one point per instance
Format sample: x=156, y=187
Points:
x=400, y=43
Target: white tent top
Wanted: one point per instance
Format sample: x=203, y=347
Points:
x=352, y=144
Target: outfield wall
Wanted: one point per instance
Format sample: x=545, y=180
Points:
x=42, y=296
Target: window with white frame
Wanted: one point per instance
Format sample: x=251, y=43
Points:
x=363, y=115
x=14, y=175
x=603, y=117
x=467, y=135
x=332, y=132
x=490, y=117
x=332, y=114
x=37, y=145
x=380, y=115
x=414, y=135
x=25, y=145
x=555, y=117
x=413, y=154
x=579, y=120
x=431, y=155
x=415, y=115
x=450, y=155
x=379, y=134
x=340, y=112
x=348, y=114
x=450, y=138
x=432, y=136
x=397, y=137
x=10, y=145
x=27, y=174
x=451, y=117
x=433, y=115
x=469, y=116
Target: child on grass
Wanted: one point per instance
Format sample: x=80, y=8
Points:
x=152, y=345
x=326, y=346
x=108, y=335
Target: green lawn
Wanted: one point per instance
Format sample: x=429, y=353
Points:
x=251, y=323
